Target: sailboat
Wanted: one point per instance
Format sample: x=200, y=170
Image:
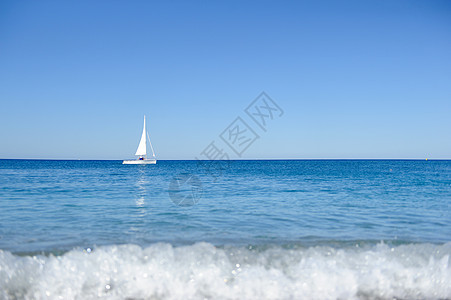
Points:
x=141, y=152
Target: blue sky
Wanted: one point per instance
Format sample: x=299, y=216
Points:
x=356, y=79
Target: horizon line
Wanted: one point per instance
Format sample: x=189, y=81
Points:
x=238, y=159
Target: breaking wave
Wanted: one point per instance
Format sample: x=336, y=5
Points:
x=199, y=271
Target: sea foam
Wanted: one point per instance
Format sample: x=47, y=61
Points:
x=203, y=271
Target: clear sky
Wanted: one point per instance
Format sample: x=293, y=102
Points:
x=356, y=79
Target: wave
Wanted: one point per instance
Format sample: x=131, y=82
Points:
x=203, y=271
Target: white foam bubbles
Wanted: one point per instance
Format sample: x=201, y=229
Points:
x=200, y=271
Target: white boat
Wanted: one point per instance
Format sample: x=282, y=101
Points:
x=141, y=152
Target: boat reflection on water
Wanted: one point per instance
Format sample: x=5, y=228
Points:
x=141, y=191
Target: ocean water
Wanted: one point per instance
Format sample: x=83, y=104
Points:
x=284, y=229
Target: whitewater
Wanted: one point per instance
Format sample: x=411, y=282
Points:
x=203, y=271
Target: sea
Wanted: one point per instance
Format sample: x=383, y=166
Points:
x=241, y=229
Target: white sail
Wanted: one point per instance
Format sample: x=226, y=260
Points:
x=142, y=151
x=142, y=147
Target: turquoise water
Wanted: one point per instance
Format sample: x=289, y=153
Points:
x=260, y=229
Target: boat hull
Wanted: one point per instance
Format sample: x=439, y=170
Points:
x=139, y=162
